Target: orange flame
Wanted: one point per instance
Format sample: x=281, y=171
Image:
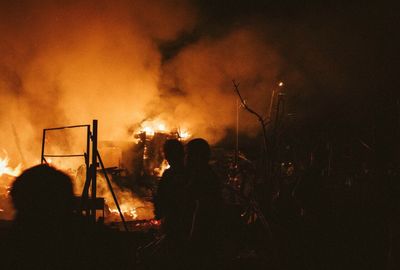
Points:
x=5, y=169
x=159, y=171
x=155, y=126
x=127, y=211
x=184, y=134
x=151, y=127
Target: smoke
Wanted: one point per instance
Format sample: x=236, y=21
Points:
x=203, y=74
x=68, y=62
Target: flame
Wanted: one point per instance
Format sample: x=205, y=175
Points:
x=127, y=210
x=149, y=131
x=159, y=171
x=161, y=127
x=150, y=127
x=184, y=134
x=6, y=169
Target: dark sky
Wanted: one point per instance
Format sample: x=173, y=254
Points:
x=340, y=47
x=357, y=41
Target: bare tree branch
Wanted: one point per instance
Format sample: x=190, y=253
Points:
x=250, y=110
x=243, y=102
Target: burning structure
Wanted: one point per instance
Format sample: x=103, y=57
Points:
x=134, y=169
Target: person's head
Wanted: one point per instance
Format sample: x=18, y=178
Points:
x=198, y=152
x=42, y=192
x=174, y=152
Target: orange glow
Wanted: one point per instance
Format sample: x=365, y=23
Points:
x=184, y=134
x=161, y=127
x=5, y=169
x=151, y=127
x=127, y=210
x=159, y=171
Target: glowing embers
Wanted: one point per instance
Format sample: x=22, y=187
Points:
x=132, y=208
x=128, y=211
x=5, y=169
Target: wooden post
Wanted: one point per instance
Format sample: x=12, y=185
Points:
x=42, y=159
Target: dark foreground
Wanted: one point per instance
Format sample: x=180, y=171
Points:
x=353, y=235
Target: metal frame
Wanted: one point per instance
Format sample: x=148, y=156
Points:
x=91, y=170
x=43, y=156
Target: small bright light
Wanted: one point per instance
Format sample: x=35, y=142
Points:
x=280, y=84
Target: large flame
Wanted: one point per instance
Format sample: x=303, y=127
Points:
x=7, y=174
x=150, y=127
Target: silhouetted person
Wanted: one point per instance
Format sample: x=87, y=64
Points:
x=204, y=191
x=170, y=200
x=45, y=233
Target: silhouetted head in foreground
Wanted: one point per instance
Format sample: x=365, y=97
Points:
x=42, y=193
x=197, y=152
x=174, y=152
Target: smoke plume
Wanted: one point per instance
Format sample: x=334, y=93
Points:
x=68, y=62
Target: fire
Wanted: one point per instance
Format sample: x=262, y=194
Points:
x=132, y=208
x=161, y=127
x=153, y=127
x=5, y=169
x=7, y=174
x=159, y=171
x=184, y=134
x=150, y=127
x=127, y=210
x=149, y=131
